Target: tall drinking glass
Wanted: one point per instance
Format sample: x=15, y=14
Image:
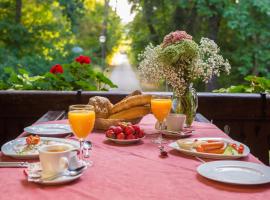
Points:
x=82, y=119
x=161, y=107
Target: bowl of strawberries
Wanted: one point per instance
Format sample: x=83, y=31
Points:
x=125, y=133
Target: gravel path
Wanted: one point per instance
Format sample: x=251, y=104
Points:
x=123, y=75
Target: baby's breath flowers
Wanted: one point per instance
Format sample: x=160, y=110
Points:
x=180, y=61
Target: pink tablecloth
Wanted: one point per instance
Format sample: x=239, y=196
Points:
x=134, y=172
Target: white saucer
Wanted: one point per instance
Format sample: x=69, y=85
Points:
x=35, y=170
x=58, y=181
x=178, y=134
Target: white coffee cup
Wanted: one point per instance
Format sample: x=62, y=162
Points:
x=175, y=122
x=57, y=158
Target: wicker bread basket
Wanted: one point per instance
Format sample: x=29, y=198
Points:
x=104, y=124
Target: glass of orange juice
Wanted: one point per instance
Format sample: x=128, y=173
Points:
x=160, y=107
x=82, y=119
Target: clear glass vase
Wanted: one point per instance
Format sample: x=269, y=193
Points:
x=186, y=104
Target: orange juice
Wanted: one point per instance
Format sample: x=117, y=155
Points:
x=82, y=122
x=161, y=108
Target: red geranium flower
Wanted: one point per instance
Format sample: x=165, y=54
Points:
x=57, y=69
x=83, y=59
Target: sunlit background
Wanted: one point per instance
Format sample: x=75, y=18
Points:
x=36, y=35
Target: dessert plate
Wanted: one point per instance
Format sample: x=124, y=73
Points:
x=193, y=152
x=235, y=172
x=19, y=149
x=125, y=141
x=49, y=130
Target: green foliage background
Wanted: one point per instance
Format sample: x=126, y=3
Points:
x=239, y=27
x=48, y=30
x=44, y=32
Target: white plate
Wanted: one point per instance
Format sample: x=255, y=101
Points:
x=14, y=148
x=235, y=172
x=193, y=152
x=125, y=141
x=178, y=134
x=50, y=130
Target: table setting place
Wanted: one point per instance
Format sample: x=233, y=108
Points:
x=55, y=153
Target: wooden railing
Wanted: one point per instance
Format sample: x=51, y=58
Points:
x=246, y=117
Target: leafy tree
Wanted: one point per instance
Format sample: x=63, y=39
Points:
x=42, y=34
x=240, y=28
x=37, y=34
x=74, y=10
x=90, y=27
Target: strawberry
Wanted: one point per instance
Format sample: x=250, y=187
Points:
x=112, y=128
x=122, y=125
x=131, y=137
x=136, y=128
x=121, y=136
x=136, y=136
x=141, y=134
x=118, y=129
x=110, y=134
x=129, y=130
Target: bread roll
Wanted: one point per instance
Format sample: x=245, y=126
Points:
x=102, y=106
x=132, y=101
x=131, y=113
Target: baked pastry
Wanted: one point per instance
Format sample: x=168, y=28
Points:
x=131, y=113
x=130, y=102
x=131, y=109
x=102, y=106
x=136, y=92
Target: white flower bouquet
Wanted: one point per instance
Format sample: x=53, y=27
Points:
x=180, y=61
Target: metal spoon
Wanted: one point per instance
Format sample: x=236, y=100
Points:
x=87, y=145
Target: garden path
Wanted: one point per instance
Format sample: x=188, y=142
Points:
x=123, y=74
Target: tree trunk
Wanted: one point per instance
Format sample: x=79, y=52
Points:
x=179, y=19
x=191, y=23
x=148, y=14
x=104, y=33
x=254, y=57
x=18, y=13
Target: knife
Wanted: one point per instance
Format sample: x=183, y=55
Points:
x=13, y=164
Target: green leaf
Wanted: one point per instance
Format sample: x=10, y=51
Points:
x=103, y=79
